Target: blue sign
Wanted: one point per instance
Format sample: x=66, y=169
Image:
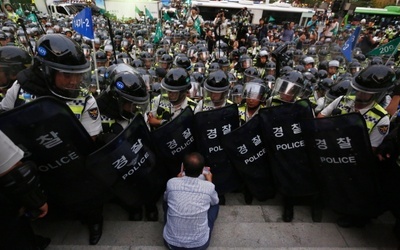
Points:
x=83, y=23
x=350, y=44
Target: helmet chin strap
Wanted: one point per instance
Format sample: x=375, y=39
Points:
x=359, y=104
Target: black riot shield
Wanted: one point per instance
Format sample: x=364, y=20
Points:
x=210, y=126
x=52, y=137
x=247, y=153
x=341, y=153
x=173, y=140
x=127, y=164
x=282, y=134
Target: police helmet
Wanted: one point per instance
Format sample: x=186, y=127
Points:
x=256, y=90
x=308, y=60
x=337, y=90
x=214, y=66
x=199, y=67
x=13, y=60
x=101, y=56
x=217, y=82
x=58, y=53
x=183, y=62
x=177, y=79
x=289, y=86
x=130, y=88
x=245, y=61
x=374, y=79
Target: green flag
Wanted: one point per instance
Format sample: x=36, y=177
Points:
x=148, y=13
x=159, y=34
x=197, y=25
x=166, y=17
x=271, y=19
x=385, y=49
x=32, y=18
x=137, y=10
x=19, y=11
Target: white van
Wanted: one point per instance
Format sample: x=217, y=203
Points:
x=62, y=9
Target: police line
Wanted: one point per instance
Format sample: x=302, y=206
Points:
x=282, y=149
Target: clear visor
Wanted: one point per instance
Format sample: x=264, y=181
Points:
x=191, y=53
x=86, y=52
x=271, y=71
x=129, y=109
x=246, y=63
x=270, y=84
x=195, y=91
x=183, y=47
x=127, y=60
x=214, y=99
x=22, y=39
x=150, y=50
x=124, y=43
x=236, y=98
x=363, y=98
x=254, y=90
x=139, y=43
x=288, y=91
x=203, y=55
x=200, y=69
x=172, y=96
x=69, y=85
x=219, y=54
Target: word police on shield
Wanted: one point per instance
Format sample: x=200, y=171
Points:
x=83, y=23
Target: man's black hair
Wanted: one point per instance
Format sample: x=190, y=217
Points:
x=193, y=164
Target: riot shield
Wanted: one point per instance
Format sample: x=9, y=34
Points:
x=210, y=126
x=127, y=164
x=247, y=152
x=52, y=137
x=341, y=152
x=282, y=134
x=173, y=140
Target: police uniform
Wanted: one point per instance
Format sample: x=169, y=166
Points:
x=244, y=114
x=376, y=118
x=162, y=108
x=84, y=108
x=19, y=233
x=201, y=106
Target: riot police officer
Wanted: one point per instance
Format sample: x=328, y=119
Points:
x=254, y=92
x=369, y=86
x=126, y=97
x=216, y=88
x=19, y=188
x=287, y=89
x=60, y=75
x=173, y=98
x=367, y=89
x=12, y=61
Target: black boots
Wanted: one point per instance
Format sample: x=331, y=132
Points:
x=95, y=232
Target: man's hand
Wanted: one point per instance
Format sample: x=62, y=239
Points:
x=208, y=176
x=153, y=121
x=44, y=209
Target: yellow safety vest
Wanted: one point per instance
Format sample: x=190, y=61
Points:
x=372, y=116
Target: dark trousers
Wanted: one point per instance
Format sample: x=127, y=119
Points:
x=16, y=230
x=212, y=216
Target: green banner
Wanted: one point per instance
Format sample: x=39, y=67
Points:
x=385, y=49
